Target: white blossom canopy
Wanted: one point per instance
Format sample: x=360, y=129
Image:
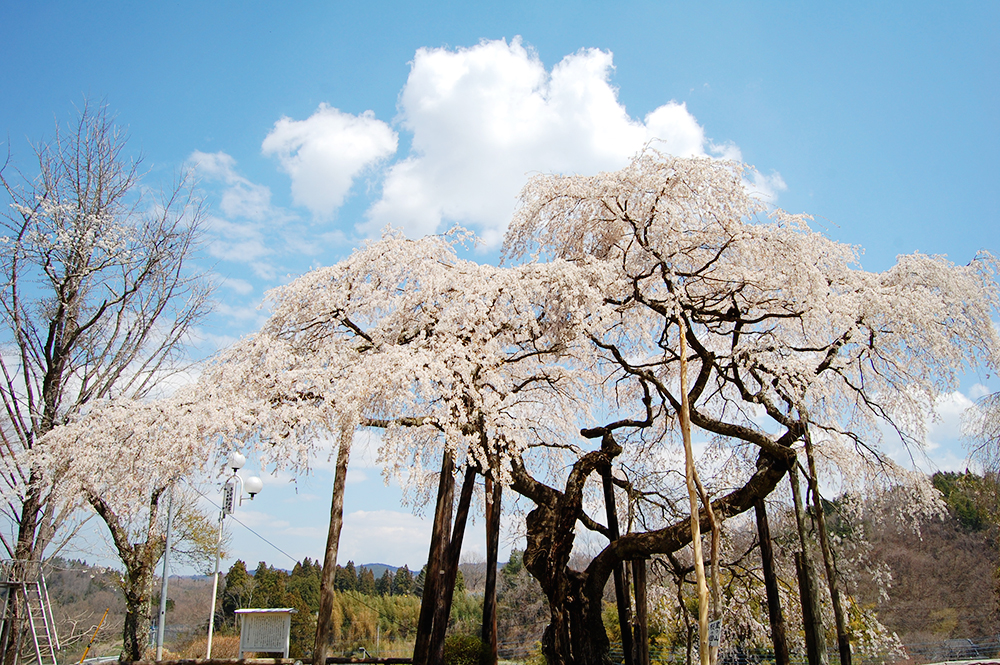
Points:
x=785, y=331
x=405, y=336
x=779, y=318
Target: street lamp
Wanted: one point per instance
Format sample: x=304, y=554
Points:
x=232, y=496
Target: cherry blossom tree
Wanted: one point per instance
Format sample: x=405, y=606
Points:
x=981, y=426
x=561, y=369
x=787, y=335
x=123, y=456
x=448, y=357
x=97, y=296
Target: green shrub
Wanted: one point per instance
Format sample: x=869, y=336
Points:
x=462, y=650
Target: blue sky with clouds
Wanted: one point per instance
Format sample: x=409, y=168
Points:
x=312, y=125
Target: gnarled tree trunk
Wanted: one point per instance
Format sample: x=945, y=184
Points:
x=575, y=634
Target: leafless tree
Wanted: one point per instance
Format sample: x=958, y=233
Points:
x=98, y=295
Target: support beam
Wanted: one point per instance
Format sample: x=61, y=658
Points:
x=489, y=632
x=641, y=612
x=440, y=537
x=774, y=614
x=453, y=555
x=621, y=588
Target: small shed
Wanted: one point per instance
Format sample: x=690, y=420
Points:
x=265, y=630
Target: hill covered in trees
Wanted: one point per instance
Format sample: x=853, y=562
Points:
x=942, y=576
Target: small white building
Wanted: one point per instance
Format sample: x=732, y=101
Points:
x=265, y=630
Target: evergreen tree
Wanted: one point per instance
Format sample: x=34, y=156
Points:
x=418, y=583
x=346, y=578
x=304, y=581
x=971, y=499
x=270, y=586
x=366, y=582
x=403, y=583
x=238, y=591
x=302, y=632
x=510, y=570
x=383, y=586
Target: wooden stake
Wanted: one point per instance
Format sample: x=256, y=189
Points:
x=489, y=632
x=689, y=477
x=621, y=588
x=440, y=536
x=777, y=619
x=453, y=555
x=326, y=587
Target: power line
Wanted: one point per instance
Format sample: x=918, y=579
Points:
x=377, y=611
x=290, y=557
x=236, y=519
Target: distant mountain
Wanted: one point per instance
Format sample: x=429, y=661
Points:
x=379, y=568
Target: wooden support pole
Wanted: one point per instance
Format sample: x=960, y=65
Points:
x=326, y=587
x=489, y=632
x=808, y=611
x=774, y=614
x=690, y=478
x=453, y=555
x=641, y=612
x=621, y=588
x=839, y=615
x=440, y=536
x=812, y=619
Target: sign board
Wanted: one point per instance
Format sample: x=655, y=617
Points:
x=228, y=499
x=714, y=632
x=265, y=630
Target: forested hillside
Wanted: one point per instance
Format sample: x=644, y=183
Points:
x=945, y=574
x=942, y=572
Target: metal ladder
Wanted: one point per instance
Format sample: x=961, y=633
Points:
x=23, y=588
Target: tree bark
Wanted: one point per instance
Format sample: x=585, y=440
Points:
x=843, y=634
x=812, y=619
x=641, y=620
x=489, y=632
x=774, y=614
x=576, y=632
x=139, y=560
x=326, y=587
x=137, y=590
x=621, y=589
x=440, y=536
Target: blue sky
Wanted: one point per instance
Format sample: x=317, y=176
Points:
x=310, y=125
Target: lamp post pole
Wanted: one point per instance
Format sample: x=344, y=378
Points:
x=232, y=495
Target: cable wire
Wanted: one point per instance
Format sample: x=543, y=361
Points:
x=237, y=520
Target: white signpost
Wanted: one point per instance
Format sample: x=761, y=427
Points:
x=714, y=632
x=265, y=630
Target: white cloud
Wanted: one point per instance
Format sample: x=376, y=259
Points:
x=232, y=241
x=767, y=186
x=367, y=531
x=978, y=390
x=947, y=423
x=484, y=118
x=356, y=476
x=325, y=152
x=241, y=198
x=235, y=284
x=246, y=229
